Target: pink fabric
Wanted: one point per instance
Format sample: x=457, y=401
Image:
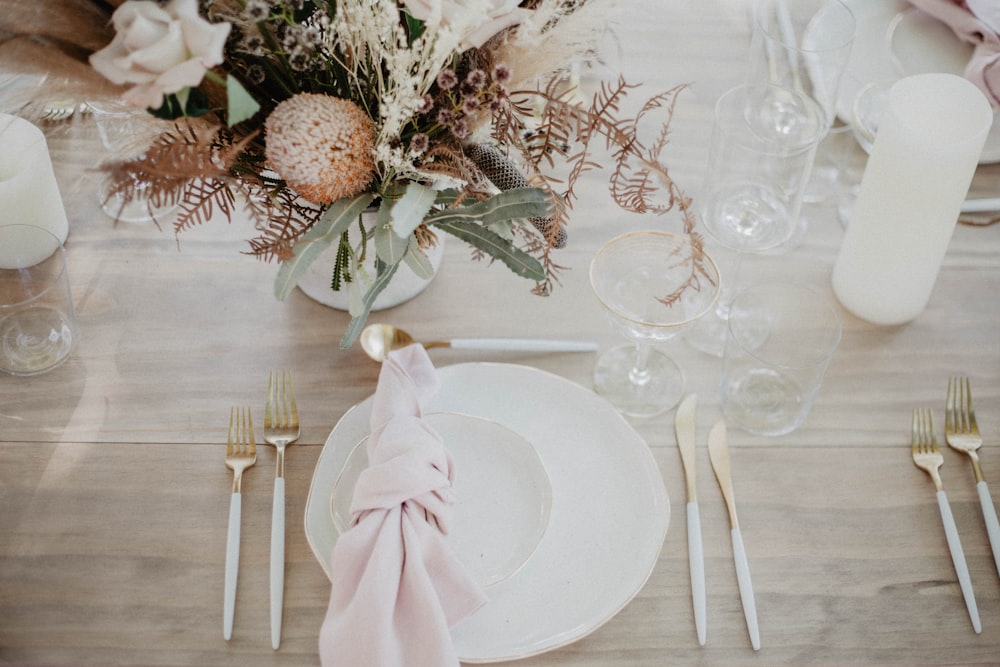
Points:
x=397, y=587
x=978, y=23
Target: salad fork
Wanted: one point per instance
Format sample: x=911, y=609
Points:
x=927, y=456
x=281, y=428
x=962, y=435
x=241, y=453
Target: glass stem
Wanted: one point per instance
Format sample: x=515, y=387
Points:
x=730, y=279
x=639, y=375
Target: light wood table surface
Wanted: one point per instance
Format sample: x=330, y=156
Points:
x=114, y=495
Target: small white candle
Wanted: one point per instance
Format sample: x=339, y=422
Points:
x=930, y=137
x=29, y=194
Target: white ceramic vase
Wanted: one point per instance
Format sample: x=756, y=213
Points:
x=405, y=285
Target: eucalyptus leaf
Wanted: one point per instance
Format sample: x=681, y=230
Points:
x=410, y=209
x=385, y=274
x=418, y=261
x=241, y=105
x=508, y=205
x=389, y=246
x=518, y=261
x=326, y=231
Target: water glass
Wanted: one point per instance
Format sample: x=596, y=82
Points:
x=37, y=324
x=781, y=338
x=758, y=166
x=803, y=45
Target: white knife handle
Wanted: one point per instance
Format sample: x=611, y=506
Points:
x=990, y=516
x=746, y=588
x=232, y=564
x=277, y=560
x=523, y=344
x=697, y=564
x=958, y=559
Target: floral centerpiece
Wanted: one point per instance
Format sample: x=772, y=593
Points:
x=450, y=116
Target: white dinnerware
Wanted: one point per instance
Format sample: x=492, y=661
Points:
x=608, y=519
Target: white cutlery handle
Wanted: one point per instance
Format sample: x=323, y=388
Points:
x=958, y=559
x=523, y=344
x=277, y=560
x=697, y=564
x=746, y=588
x=232, y=564
x=990, y=516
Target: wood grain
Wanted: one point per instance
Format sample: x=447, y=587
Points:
x=114, y=494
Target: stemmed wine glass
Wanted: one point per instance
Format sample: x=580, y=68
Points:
x=652, y=284
x=758, y=169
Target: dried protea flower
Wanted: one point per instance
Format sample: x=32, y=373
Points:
x=505, y=175
x=322, y=146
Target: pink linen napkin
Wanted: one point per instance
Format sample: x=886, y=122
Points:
x=397, y=587
x=978, y=23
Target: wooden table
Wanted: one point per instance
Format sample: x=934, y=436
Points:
x=114, y=494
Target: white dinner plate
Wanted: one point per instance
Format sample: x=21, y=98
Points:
x=894, y=40
x=608, y=519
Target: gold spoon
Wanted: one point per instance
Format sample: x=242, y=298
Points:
x=378, y=340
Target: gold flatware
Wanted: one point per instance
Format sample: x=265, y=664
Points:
x=378, y=340
x=241, y=453
x=962, y=434
x=684, y=428
x=927, y=456
x=718, y=454
x=281, y=428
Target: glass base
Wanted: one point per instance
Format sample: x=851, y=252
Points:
x=137, y=210
x=763, y=402
x=34, y=341
x=659, y=390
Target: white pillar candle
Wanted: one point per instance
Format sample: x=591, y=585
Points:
x=29, y=194
x=930, y=137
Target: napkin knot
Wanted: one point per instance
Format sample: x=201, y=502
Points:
x=397, y=587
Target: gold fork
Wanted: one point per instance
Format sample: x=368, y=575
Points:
x=281, y=428
x=962, y=435
x=241, y=453
x=927, y=456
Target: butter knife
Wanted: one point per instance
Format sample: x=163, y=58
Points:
x=684, y=427
x=718, y=454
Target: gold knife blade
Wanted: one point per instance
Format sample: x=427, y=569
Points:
x=684, y=428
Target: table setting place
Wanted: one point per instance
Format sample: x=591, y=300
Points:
x=778, y=271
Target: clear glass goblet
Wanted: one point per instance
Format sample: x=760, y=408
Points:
x=652, y=284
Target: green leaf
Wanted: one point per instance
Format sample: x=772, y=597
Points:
x=385, y=274
x=410, y=209
x=241, y=105
x=327, y=229
x=508, y=205
x=389, y=246
x=418, y=261
x=518, y=261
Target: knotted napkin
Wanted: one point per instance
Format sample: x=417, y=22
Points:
x=397, y=587
x=978, y=23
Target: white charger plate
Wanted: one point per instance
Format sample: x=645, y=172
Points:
x=608, y=518
x=894, y=40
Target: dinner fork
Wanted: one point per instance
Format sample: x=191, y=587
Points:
x=962, y=435
x=281, y=428
x=927, y=456
x=241, y=453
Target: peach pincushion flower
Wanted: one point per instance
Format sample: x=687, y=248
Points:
x=321, y=146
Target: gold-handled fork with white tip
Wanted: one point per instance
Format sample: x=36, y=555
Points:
x=962, y=434
x=281, y=428
x=927, y=456
x=241, y=453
